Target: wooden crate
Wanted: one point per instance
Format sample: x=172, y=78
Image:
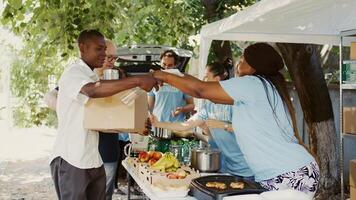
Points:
x=156, y=177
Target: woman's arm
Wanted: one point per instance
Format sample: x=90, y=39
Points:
x=195, y=87
x=212, y=123
x=183, y=126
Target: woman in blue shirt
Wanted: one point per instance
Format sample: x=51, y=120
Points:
x=263, y=119
x=232, y=159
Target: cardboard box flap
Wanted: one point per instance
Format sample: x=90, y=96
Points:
x=353, y=51
x=352, y=193
x=352, y=171
x=349, y=120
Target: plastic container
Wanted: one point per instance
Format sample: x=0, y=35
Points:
x=111, y=74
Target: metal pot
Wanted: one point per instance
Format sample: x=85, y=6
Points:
x=205, y=159
x=162, y=133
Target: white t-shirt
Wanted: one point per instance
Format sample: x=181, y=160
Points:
x=76, y=145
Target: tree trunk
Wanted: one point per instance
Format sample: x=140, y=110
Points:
x=304, y=66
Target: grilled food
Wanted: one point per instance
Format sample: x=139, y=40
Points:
x=237, y=185
x=217, y=185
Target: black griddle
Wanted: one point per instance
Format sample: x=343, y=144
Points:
x=201, y=192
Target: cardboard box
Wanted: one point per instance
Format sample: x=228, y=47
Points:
x=352, y=193
x=349, y=120
x=109, y=114
x=352, y=171
x=353, y=51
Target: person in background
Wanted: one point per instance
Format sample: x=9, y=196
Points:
x=76, y=165
x=263, y=119
x=232, y=160
x=123, y=139
x=108, y=143
x=169, y=104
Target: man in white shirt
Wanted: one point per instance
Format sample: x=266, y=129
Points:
x=76, y=166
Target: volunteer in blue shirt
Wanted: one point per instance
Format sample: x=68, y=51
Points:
x=232, y=160
x=264, y=119
x=169, y=104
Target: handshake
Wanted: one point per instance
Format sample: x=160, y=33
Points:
x=156, y=79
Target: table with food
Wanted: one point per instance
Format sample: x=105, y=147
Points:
x=183, y=168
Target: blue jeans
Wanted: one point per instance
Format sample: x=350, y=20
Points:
x=110, y=171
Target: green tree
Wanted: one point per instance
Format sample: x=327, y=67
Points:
x=50, y=28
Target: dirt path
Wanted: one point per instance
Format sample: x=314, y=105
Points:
x=24, y=167
x=26, y=180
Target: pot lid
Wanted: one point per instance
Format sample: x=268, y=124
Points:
x=206, y=150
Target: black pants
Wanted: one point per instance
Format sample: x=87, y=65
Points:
x=72, y=183
x=120, y=172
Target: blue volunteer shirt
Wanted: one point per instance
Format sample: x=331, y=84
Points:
x=167, y=99
x=123, y=137
x=270, y=148
x=233, y=161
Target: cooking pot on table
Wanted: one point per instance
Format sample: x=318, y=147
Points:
x=205, y=159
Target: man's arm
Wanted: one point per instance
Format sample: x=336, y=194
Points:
x=105, y=88
x=190, y=105
x=185, y=109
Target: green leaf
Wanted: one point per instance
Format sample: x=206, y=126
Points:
x=53, y=27
x=16, y=4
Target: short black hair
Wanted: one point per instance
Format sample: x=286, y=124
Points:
x=170, y=53
x=88, y=34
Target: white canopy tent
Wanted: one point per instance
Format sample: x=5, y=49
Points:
x=289, y=21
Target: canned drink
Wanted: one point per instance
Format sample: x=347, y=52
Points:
x=111, y=74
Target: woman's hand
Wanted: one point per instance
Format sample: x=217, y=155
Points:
x=153, y=119
x=212, y=123
x=176, y=112
x=159, y=75
x=229, y=128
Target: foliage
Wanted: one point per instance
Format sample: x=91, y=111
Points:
x=50, y=28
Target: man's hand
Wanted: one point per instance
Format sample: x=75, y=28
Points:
x=178, y=111
x=147, y=82
x=148, y=127
x=110, y=62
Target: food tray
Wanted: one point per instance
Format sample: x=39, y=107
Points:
x=200, y=191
